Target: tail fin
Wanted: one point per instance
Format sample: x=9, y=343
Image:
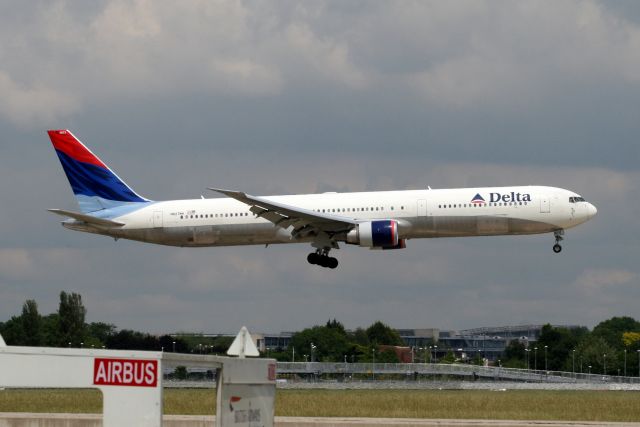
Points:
x=95, y=186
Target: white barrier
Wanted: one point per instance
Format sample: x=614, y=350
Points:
x=131, y=381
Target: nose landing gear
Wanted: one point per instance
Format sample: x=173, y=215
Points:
x=558, y=235
x=321, y=257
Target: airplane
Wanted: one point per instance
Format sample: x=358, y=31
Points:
x=376, y=220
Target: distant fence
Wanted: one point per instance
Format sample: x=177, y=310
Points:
x=441, y=369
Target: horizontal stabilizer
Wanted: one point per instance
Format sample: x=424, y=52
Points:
x=89, y=219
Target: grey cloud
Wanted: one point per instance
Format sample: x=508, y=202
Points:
x=292, y=97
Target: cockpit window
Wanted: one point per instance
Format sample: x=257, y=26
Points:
x=576, y=199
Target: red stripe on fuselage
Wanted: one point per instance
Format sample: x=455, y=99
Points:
x=64, y=141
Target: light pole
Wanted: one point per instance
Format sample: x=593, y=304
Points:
x=625, y=362
x=546, y=367
x=174, y=346
x=527, y=354
x=573, y=362
x=412, y=359
x=535, y=358
x=604, y=358
x=435, y=354
x=293, y=354
x=638, y=363
x=313, y=347
x=425, y=355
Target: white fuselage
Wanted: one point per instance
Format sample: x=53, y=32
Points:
x=419, y=213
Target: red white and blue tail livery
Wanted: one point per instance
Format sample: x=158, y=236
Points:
x=95, y=186
x=376, y=220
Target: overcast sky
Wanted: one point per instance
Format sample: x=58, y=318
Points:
x=287, y=97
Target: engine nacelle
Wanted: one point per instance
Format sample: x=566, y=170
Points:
x=402, y=243
x=382, y=234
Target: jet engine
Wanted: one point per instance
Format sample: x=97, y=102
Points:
x=379, y=234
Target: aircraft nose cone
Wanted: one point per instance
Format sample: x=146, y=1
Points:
x=591, y=211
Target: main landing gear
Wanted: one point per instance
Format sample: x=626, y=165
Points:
x=321, y=257
x=558, y=235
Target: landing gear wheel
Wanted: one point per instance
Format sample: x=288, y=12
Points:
x=313, y=258
x=332, y=263
x=322, y=258
x=558, y=235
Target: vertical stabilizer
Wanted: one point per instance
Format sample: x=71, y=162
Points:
x=95, y=186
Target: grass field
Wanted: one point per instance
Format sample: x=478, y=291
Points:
x=515, y=405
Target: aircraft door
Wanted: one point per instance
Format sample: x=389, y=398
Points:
x=422, y=207
x=157, y=219
x=545, y=206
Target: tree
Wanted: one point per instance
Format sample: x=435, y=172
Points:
x=387, y=356
x=31, y=323
x=334, y=324
x=448, y=358
x=329, y=344
x=631, y=339
x=381, y=334
x=50, y=328
x=560, y=342
x=359, y=336
x=613, y=329
x=13, y=332
x=132, y=340
x=515, y=355
x=595, y=351
x=71, y=323
x=100, y=332
x=167, y=342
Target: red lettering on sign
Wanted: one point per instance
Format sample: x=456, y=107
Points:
x=125, y=372
x=272, y=372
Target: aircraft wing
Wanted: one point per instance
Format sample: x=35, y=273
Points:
x=304, y=221
x=89, y=219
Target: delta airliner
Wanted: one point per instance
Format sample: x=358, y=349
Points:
x=375, y=220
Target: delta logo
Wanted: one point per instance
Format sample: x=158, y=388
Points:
x=499, y=197
x=478, y=200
